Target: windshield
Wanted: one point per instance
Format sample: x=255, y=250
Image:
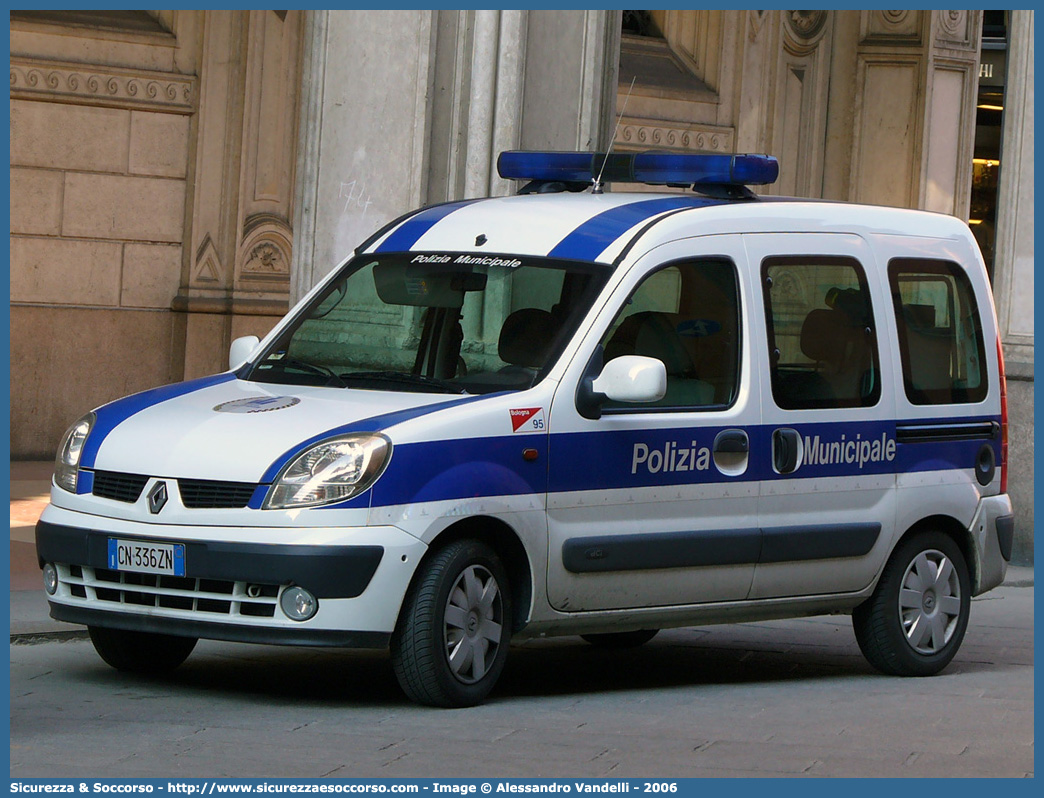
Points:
x=435, y=323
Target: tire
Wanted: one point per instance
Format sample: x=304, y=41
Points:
x=451, y=642
x=621, y=639
x=915, y=620
x=143, y=653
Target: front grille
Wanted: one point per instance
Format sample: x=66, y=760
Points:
x=210, y=494
x=196, y=494
x=120, y=487
x=175, y=593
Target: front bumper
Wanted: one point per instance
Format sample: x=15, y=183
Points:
x=234, y=578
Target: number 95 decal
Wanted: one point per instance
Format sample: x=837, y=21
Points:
x=528, y=419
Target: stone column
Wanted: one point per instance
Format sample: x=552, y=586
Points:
x=915, y=109
x=413, y=107
x=1013, y=273
x=365, y=125
x=237, y=264
x=313, y=79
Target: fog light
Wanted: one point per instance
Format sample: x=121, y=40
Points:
x=50, y=579
x=298, y=604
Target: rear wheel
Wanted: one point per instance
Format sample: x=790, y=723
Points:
x=915, y=620
x=451, y=641
x=621, y=639
x=140, y=652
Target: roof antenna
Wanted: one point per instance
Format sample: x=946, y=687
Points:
x=596, y=183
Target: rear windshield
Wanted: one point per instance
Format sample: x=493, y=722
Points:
x=940, y=333
x=435, y=323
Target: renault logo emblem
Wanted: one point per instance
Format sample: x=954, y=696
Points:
x=157, y=497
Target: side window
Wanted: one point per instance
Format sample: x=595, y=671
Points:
x=940, y=334
x=822, y=343
x=686, y=315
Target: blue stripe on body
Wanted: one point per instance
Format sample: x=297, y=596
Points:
x=109, y=416
x=591, y=238
x=591, y=461
x=409, y=232
x=462, y=469
x=371, y=424
x=84, y=481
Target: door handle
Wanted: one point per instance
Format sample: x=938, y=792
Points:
x=786, y=450
x=731, y=448
x=731, y=441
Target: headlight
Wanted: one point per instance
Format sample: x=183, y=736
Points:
x=67, y=463
x=331, y=471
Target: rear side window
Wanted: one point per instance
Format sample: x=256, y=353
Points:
x=686, y=315
x=940, y=333
x=822, y=345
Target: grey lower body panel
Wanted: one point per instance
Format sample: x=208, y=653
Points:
x=703, y=548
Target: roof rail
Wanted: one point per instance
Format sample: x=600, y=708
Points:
x=708, y=173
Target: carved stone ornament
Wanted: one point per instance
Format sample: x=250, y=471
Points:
x=87, y=84
x=266, y=259
x=757, y=21
x=953, y=27
x=207, y=270
x=640, y=134
x=806, y=25
x=265, y=252
x=803, y=31
x=883, y=27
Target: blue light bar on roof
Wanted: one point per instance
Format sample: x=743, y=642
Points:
x=696, y=169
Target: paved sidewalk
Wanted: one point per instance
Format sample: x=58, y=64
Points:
x=30, y=489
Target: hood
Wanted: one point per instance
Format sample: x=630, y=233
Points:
x=223, y=428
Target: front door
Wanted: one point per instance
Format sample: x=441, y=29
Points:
x=655, y=505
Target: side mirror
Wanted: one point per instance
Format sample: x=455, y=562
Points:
x=241, y=349
x=632, y=378
x=628, y=378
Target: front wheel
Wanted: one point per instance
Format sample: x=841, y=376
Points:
x=144, y=653
x=451, y=642
x=915, y=620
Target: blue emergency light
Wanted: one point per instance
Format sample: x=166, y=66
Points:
x=689, y=169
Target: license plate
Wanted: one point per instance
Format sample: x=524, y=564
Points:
x=147, y=558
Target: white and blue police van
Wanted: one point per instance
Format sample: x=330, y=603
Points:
x=565, y=412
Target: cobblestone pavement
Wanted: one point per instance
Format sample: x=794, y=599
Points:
x=786, y=698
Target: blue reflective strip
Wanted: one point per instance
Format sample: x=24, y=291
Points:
x=372, y=424
x=463, y=469
x=595, y=461
x=409, y=232
x=115, y=413
x=257, y=498
x=591, y=238
x=84, y=481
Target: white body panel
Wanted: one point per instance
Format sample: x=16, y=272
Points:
x=457, y=459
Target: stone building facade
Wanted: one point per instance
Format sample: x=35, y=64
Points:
x=152, y=192
x=179, y=177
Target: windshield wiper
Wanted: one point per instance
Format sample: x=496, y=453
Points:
x=311, y=368
x=401, y=377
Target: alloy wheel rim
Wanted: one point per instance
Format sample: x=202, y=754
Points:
x=474, y=624
x=930, y=602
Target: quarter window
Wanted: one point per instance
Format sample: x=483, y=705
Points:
x=687, y=316
x=940, y=334
x=822, y=345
